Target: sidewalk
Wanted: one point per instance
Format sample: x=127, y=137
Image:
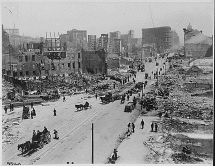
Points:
x=132, y=150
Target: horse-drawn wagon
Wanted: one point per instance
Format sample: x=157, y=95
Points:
x=25, y=113
x=38, y=141
x=129, y=107
x=107, y=98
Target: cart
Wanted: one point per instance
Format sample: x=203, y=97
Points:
x=129, y=107
x=25, y=113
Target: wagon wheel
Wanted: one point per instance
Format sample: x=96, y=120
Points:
x=40, y=144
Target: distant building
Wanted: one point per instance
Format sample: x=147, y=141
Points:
x=5, y=42
x=92, y=42
x=93, y=61
x=175, y=39
x=75, y=38
x=115, y=35
x=161, y=36
x=113, y=61
x=103, y=42
x=197, y=46
x=12, y=32
x=114, y=43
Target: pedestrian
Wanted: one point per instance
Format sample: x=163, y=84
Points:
x=96, y=96
x=128, y=96
x=12, y=106
x=129, y=129
x=34, y=112
x=31, y=104
x=115, y=154
x=152, y=126
x=133, y=126
x=156, y=127
x=114, y=85
x=142, y=123
x=31, y=114
x=5, y=109
x=55, y=112
x=64, y=98
x=34, y=135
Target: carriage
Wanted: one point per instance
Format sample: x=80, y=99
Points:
x=107, y=98
x=38, y=141
x=82, y=106
x=25, y=113
x=129, y=107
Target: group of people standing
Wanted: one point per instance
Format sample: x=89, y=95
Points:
x=11, y=106
x=154, y=126
x=131, y=128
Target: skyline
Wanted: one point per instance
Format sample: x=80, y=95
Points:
x=36, y=18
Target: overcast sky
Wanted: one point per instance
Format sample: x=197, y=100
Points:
x=36, y=18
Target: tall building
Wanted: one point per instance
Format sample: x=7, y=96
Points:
x=114, y=43
x=94, y=61
x=92, y=42
x=117, y=46
x=175, y=39
x=115, y=34
x=103, y=41
x=78, y=38
x=160, y=36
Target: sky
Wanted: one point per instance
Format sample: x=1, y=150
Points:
x=35, y=18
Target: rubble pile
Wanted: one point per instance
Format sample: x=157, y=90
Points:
x=8, y=135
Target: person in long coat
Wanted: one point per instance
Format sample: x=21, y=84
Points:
x=5, y=109
x=55, y=112
x=152, y=126
x=156, y=127
x=142, y=123
x=133, y=126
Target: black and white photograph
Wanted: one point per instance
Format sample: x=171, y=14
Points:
x=107, y=82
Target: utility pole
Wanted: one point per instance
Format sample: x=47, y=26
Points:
x=92, y=146
x=157, y=76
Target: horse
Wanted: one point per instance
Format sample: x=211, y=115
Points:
x=80, y=106
x=102, y=99
x=22, y=146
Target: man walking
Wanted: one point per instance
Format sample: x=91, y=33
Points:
x=152, y=126
x=142, y=123
x=96, y=96
x=12, y=106
x=133, y=126
x=5, y=109
x=55, y=112
x=156, y=127
x=128, y=96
